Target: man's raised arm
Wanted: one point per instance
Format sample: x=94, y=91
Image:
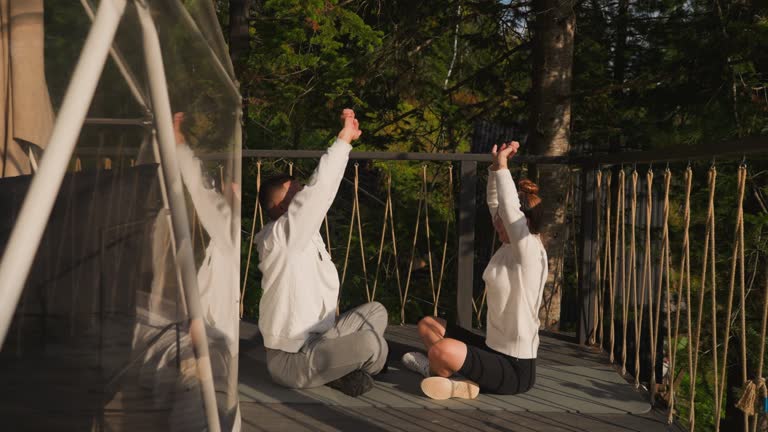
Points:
x=309, y=206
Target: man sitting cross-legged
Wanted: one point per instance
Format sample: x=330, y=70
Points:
x=307, y=345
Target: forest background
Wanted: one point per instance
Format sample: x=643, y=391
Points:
x=563, y=77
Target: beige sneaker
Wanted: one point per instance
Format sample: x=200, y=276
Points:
x=445, y=388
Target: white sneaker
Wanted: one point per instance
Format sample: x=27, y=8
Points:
x=440, y=388
x=417, y=362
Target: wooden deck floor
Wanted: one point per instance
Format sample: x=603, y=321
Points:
x=290, y=415
x=576, y=390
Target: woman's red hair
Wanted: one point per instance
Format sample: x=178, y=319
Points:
x=530, y=204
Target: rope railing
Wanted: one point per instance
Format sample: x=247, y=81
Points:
x=652, y=296
x=356, y=228
x=685, y=276
x=355, y=221
x=736, y=259
x=663, y=279
x=657, y=309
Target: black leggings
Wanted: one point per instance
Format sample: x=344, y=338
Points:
x=493, y=371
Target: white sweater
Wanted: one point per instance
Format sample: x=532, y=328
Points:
x=515, y=276
x=219, y=274
x=300, y=283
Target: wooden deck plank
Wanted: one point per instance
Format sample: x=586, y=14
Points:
x=42, y=394
x=554, y=353
x=301, y=417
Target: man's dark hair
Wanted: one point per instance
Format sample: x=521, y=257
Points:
x=268, y=188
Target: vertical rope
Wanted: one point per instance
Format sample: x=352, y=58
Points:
x=355, y=220
x=256, y=210
x=381, y=241
x=410, y=264
x=640, y=300
x=606, y=284
x=610, y=264
x=684, y=259
x=445, y=237
x=426, y=229
x=738, y=254
x=360, y=233
x=346, y=254
x=597, y=308
x=290, y=168
x=697, y=344
x=645, y=283
x=663, y=270
x=632, y=277
x=394, y=241
x=761, y=358
x=742, y=190
x=605, y=247
x=624, y=278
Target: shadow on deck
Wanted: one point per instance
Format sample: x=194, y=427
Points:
x=576, y=390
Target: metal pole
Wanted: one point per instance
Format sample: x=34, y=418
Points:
x=125, y=71
x=177, y=205
x=466, y=273
x=140, y=122
x=387, y=155
x=38, y=204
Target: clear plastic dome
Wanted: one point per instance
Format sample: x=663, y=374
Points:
x=101, y=337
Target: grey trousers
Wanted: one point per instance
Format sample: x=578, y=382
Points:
x=356, y=342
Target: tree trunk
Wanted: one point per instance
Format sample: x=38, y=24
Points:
x=240, y=47
x=549, y=126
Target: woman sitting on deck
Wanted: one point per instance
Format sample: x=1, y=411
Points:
x=504, y=362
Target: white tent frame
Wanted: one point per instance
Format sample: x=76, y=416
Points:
x=38, y=204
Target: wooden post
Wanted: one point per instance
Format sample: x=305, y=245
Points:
x=588, y=254
x=466, y=231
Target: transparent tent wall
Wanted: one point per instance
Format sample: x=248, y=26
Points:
x=100, y=338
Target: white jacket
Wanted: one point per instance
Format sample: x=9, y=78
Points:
x=300, y=283
x=515, y=276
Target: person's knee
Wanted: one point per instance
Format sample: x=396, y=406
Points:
x=289, y=380
x=431, y=323
x=447, y=356
x=439, y=356
x=427, y=323
x=378, y=310
x=373, y=343
x=377, y=316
